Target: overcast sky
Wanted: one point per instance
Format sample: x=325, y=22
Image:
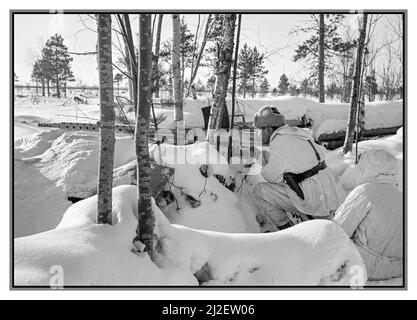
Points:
x=270, y=32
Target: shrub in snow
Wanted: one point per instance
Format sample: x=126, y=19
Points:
x=312, y=253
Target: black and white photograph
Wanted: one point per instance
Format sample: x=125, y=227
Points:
x=198, y=149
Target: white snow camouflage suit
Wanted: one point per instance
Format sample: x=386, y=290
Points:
x=290, y=151
x=372, y=215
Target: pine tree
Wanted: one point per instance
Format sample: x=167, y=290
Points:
x=294, y=90
x=146, y=219
x=215, y=32
x=251, y=68
x=37, y=76
x=345, y=55
x=283, y=85
x=333, y=90
x=211, y=81
x=57, y=62
x=321, y=58
x=68, y=77
x=320, y=47
x=40, y=74
x=264, y=87
x=107, y=120
x=305, y=87
x=371, y=86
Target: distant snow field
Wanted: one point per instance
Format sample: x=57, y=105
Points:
x=217, y=243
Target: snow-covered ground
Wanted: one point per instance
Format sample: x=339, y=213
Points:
x=219, y=240
x=314, y=253
x=38, y=202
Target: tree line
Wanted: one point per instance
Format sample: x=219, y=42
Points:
x=328, y=54
x=53, y=68
x=330, y=51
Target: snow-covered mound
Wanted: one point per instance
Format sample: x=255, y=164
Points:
x=220, y=208
x=26, y=125
x=90, y=254
x=313, y=253
x=344, y=165
x=51, y=166
x=70, y=158
x=332, y=118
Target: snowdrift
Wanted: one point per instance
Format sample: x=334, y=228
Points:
x=38, y=202
x=220, y=208
x=49, y=167
x=89, y=254
x=313, y=253
x=70, y=158
x=344, y=165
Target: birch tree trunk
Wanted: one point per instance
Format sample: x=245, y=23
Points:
x=235, y=64
x=133, y=59
x=321, y=60
x=176, y=66
x=348, y=87
x=129, y=72
x=224, y=64
x=196, y=65
x=107, y=120
x=146, y=219
x=156, y=75
x=350, y=131
x=179, y=138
